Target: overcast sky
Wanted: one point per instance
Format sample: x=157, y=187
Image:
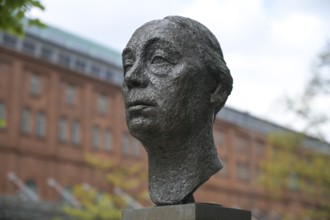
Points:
x=269, y=45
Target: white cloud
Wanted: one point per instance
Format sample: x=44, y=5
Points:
x=108, y=22
x=297, y=30
x=268, y=45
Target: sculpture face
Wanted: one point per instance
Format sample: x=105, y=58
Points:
x=173, y=72
x=166, y=86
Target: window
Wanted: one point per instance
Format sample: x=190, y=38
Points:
x=9, y=40
x=224, y=170
x=41, y=124
x=130, y=146
x=25, y=121
x=95, y=70
x=242, y=171
x=35, y=84
x=29, y=46
x=102, y=103
x=95, y=137
x=62, y=130
x=70, y=94
x=102, y=74
x=136, y=148
x=46, y=53
x=2, y=115
x=125, y=144
x=240, y=144
x=64, y=59
x=218, y=137
x=108, y=75
x=80, y=65
x=66, y=195
x=76, y=133
x=30, y=191
x=108, y=140
x=32, y=185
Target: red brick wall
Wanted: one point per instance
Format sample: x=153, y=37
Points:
x=32, y=157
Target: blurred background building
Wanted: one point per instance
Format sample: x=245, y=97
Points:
x=60, y=98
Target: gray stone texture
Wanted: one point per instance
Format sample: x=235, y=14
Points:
x=196, y=211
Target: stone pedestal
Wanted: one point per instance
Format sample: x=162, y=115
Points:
x=193, y=211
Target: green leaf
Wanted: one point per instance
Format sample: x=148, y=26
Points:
x=2, y=123
x=13, y=15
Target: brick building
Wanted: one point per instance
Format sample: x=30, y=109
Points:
x=60, y=98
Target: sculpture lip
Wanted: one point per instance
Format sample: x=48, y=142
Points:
x=136, y=103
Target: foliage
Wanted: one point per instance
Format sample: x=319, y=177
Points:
x=94, y=205
x=14, y=15
x=2, y=123
x=291, y=168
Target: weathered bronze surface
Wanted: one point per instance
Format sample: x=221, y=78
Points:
x=175, y=82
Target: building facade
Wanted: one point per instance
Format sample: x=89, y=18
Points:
x=60, y=99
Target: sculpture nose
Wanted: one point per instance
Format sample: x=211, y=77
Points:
x=135, y=78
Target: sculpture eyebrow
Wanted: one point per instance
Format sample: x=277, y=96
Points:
x=128, y=52
x=157, y=40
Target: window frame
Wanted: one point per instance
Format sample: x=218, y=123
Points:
x=70, y=94
x=41, y=126
x=136, y=148
x=125, y=144
x=76, y=133
x=25, y=125
x=108, y=139
x=102, y=103
x=35, y=84
x=62, y=130
x=242, y=171
x=96, y=137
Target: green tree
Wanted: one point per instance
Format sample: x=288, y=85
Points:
x=289, y=166
x=303, y=107
x=14, y=15
x=129, y=179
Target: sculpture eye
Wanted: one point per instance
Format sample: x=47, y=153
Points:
x=127, y=65
x=159, y=60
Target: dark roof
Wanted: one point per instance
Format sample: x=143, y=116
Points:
x=76, y=43
x=265, y=127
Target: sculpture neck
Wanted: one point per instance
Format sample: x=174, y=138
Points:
x=178, y=167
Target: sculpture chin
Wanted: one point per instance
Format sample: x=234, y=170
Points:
x=141, y=127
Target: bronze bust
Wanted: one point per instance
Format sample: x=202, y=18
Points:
x=175, y=82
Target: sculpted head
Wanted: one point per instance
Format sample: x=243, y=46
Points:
x=175, y=82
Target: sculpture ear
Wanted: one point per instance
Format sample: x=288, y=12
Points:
x=217, y=96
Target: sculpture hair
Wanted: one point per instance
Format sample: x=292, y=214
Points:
x=211, y=54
